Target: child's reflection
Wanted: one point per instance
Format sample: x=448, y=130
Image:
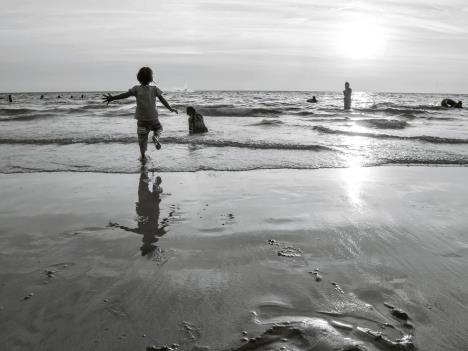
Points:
x=147, y=210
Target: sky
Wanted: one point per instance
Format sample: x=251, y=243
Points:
x=314, y=45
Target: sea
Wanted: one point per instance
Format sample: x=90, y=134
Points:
x=248, y=130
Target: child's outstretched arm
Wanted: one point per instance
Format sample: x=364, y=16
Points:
x=108, y=98
x=166, y=104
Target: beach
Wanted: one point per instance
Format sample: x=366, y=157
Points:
x=359, y=258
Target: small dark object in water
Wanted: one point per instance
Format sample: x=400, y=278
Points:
x=10, y=99
x=386, y=304
x=313, y=100
x=244, y=339
x=400, y=314
x=42, y=97
x=318, y=277
x=50, y=273
x=154, y=348
x=27, y=297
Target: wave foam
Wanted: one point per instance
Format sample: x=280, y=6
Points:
x=268, y=122
x=427, y=138
x=168, y=140
x=239, y=111
x=383, y=123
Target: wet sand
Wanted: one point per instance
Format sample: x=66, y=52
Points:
x=337, y=259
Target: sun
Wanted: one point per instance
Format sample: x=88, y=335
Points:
x=360, y=38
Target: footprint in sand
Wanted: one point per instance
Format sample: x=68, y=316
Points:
x=285, y=250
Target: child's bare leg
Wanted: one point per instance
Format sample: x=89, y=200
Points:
x=156, y=135
x=143, y=143
x=157, y=132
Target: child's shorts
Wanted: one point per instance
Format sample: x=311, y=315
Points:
x=144, y=127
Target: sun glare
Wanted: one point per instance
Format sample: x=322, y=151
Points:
x=360, y=38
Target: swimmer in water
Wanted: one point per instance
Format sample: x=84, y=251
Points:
x=451, y=103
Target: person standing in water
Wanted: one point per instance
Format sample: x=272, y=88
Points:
x=10, y=99
x=347, y=96
x=145, y=113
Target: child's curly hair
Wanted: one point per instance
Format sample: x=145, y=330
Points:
x=145, y=75
x=190, y=110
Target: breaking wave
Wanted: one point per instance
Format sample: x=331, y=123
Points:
x=383, y=123
x=427, y=138
x=167, y=140
x=239, y=111
x=268, y=122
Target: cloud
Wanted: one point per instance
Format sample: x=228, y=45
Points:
x=196, y=33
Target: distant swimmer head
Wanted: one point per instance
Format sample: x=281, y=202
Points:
x=191, y=111
x=145, y=75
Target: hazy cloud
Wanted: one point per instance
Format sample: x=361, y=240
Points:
x=277, y=44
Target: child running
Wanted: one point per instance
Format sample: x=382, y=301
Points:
x=146, y=113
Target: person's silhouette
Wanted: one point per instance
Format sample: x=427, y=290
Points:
x=147, y=210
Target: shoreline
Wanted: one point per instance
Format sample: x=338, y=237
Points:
x=286, y=169
x=119, y=261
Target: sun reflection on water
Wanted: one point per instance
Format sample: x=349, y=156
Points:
x=353, y=181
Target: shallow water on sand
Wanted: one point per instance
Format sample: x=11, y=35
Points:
x=247, y=130
x=306, y=260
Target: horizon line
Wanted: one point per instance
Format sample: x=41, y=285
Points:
x=234, y=90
